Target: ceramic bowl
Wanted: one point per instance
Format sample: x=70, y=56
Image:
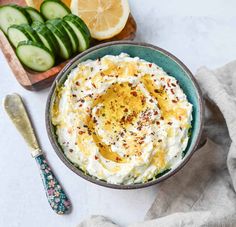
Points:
x=173, y=66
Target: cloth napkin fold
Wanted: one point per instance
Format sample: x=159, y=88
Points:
x=202, y=193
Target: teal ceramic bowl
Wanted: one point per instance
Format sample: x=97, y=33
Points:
x=173, y=66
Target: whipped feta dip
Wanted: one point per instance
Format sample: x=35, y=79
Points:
x=122, y=119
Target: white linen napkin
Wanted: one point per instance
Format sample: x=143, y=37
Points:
x=203, y=192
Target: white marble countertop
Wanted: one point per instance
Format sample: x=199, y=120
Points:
x=198, y=32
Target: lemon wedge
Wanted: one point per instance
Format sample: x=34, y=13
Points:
x=105, y=18
x=36, y=3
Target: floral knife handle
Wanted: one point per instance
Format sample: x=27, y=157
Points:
x=54, y=192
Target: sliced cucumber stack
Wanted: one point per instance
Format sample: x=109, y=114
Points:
x=35, y=56
x=80, y=29
x=38, y=43
x=63, y=39
x=12, y=14
x=46, y=36
x=16, y=34
x=34, y=14
x=52, y=9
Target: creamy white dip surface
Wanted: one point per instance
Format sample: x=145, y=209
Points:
x=122, y=119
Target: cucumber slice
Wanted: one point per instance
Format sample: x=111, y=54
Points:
x=16, y=34
x=12, y=14
x=46, y=36
x=79, y=29
x=34, y=14
x=81, y=22
x=52, y=9
x=35, y=56
x=63, y=39
x=73, y=38
x=33, y=35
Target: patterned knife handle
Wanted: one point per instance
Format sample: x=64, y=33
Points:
x=54, y=192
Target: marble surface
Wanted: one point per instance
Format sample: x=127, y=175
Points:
x=198, y=32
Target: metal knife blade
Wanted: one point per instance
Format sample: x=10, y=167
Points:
x=16, y=111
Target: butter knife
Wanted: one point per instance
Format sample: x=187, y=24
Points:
x=55, y=194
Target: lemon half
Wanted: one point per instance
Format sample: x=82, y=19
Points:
x=105, y=18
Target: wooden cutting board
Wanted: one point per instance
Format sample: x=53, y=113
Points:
x=39, y=80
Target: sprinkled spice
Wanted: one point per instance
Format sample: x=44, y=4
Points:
x=139, y=153
x=151, y=100
x=108, y=123
x=143, y=100
x=94, y=85
x=94, y=120
x=139, y=128
x=96, y=157
x=170, y=123
x=71, y=150
x=118, y=159
x=134, y=93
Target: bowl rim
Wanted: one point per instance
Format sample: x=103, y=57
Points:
x=71, y=166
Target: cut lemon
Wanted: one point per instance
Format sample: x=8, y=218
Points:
x=105, y=18
x=36, y=3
